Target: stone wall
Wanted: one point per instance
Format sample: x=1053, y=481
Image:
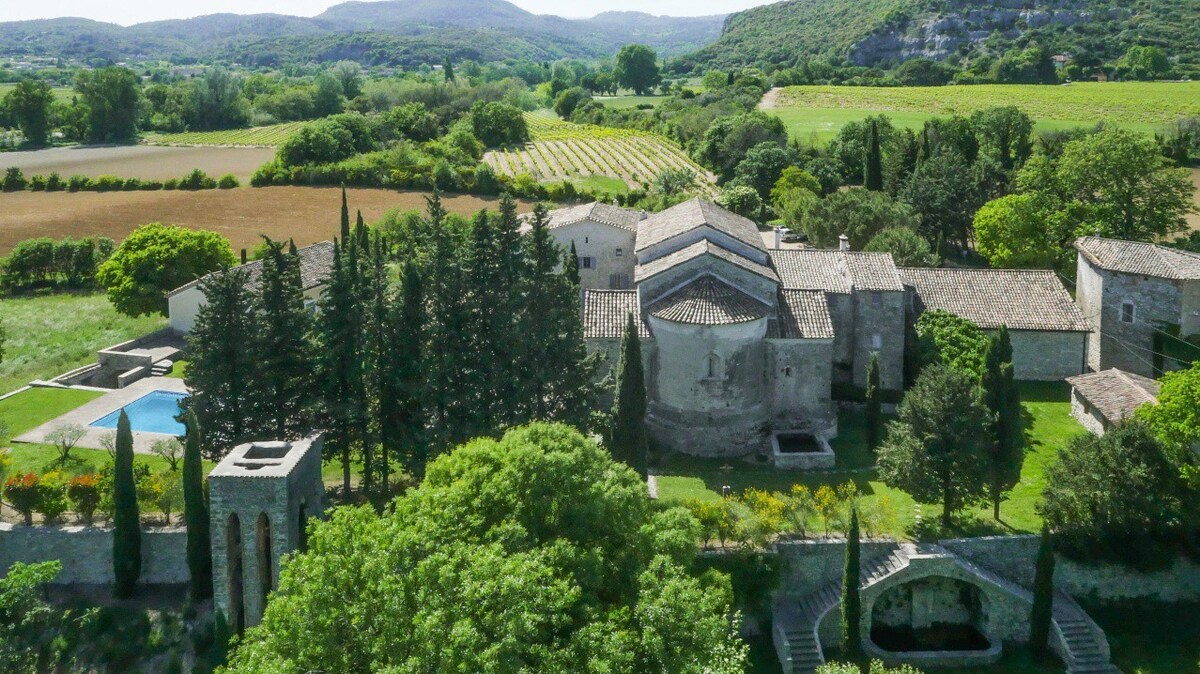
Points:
x=1087, y=416
x=86, y=553
x=1014, y=556
x=879, y=328
x=809, y=566
x=1128, y=346
x=1048, y=356
x=798, y=372
x=610, y=247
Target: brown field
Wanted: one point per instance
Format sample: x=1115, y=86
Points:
x=139, y=161
x=307, y=214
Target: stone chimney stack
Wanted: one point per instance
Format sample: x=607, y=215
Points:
x=843, y=242
x=778, y=237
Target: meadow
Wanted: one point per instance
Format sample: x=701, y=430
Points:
x=561, y=150
x=60, y=93
x=261, y=136
x=816, y=113
x=138, y=161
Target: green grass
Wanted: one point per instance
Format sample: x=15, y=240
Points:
x=602, y=184
x=816, y=113
x=262, y=136
x=179, y=371
x=1048, y=426
x=63, y=94
x=1152, y=638
x=29, y=409
x=48, y=335
x=44, y=458
x=627, y=102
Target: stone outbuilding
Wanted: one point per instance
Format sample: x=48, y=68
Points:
x=1049, y=333
x=1142, y=301
x=1101, y=399
x=604, y=237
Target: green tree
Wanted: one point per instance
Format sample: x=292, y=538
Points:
x=851, y=602
x=859, y=214
x=221, y=368
x=1006, y=452
x=1021, y=231
x=763, y=167
x=1144, y=63
x=29, y=104
x=1175, y=420
x=874, y=398
x=569, y=99
x=340, y=363
x=496, y=124
x=1004, y=133
x=741, y=199
x=935, y=450
x=448, y=69
x=535, y=551
x=627, y=439
x=637, y=68
x=726, y=142
x=329, y=97
x=127, y=528
x=906, y=247
x=28, y=624
x=952, y=341
x=873, y=160
x=401, y=405
x=217, y=102
x=282, y=392
x=156, y=259
x=876, y=667
x=195, y=512
x=112, y=96
x=944, y=196
x=1041, y=614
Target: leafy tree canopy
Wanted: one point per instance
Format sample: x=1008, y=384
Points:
x=156, y=259
x=1175, y=420
x=950, y=340
x=498, y=124
x=637, y=68
x=906, y=247
x=859, y=214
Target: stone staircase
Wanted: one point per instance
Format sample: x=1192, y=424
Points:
x=1084, y=643
x=162, y=368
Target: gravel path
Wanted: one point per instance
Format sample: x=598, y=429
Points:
x=770, y=99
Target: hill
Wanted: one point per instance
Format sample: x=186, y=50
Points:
x=885, y=32
x=395, y=32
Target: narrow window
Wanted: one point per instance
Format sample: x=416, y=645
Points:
x=876, y=341
x=787, y=371
x=1128, y=313
x=620, y=252
x=714, y=366
x=587, y=262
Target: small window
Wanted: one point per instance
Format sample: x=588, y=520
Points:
x=787, y=371
x=587, y=262
x=876, y=341
x=585, y=239
x=618, y=281
x=620, y=252
x=876, y=300
x=1128, y=313
x=713, y=366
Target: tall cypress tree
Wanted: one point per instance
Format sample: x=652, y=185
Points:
x=1005, y=453
x=483, y=296
x=362, y=237
x=127, y=529
x=345, y=229
x=222, y=369
x=851, y=602
x=448, y=68
x=339, y=332
x=402, y=384
x=447, y=339
x=571, y=265
x=283, y=387
x=511, y=297
x=874, y=400
x=195, y=512
x=873, y=168
x=1042, y=611
x=628, y=441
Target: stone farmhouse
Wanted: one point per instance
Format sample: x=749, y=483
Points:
x=1101, y=399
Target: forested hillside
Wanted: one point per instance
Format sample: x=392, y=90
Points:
x=886, y=32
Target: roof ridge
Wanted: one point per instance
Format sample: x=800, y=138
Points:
x=1135, y=384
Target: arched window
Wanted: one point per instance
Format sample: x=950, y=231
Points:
x=713, y=366
x=266, y=575
x=233, y=551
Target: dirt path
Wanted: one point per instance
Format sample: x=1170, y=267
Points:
x=770, y=99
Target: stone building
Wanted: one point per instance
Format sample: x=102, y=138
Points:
x=1142, y=300
x=603, y=237
x=1101, y=399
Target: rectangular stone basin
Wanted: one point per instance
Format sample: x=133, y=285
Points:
x=801, y=450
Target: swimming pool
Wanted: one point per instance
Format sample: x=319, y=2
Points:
x=152, y=413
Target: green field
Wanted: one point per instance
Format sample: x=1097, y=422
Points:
x=816, y=113
x=626, y=102
x=48, y=335
x=1048, y=427
x=262, y=136
x=60, y=93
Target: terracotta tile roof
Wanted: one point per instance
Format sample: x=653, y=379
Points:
x=316, y=263
x=803, y=314
x=708, y=301
x=600, y=212
x=836, y=271
x=694, y=214
x=1022, y=299
x=703, y=247
x=1115, y=393
x=1133, y=257
x=605, y=313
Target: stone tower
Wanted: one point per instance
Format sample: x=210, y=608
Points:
x=260, y=498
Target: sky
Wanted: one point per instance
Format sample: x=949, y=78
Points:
x=128, y=12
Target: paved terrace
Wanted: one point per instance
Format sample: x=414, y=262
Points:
x=85, y=414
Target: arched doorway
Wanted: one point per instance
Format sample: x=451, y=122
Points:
x=933, y=613
x=266, y=575
x=233, y=548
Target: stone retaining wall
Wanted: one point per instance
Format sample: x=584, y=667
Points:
x=86, y=553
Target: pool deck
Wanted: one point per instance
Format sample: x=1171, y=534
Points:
x=88, y=412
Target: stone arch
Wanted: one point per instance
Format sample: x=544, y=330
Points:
x=234, y=573
x=266, y=575
x=934, y=612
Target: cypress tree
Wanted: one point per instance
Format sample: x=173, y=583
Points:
x=401, y=393
x=924, y=153
x=483, y=296
x=222, y=371
x=127, y=530
x=628, y=441
x=195, y=512
x=874, y=400
x=345, y=229
x=1043, y=595
x=446, y=335
x=282, y=348
x=362, y=237
x=571, y=266
x=218, y=653
x=377, y=344
x=1005, y=452
x=448, y=68
x=873, y=169
x=340, y=373
x=851, y=602
x=511, y=296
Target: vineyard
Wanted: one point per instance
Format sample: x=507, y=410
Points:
x=565, y=151
x=262, y=136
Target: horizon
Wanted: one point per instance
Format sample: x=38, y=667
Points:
x=144, y=11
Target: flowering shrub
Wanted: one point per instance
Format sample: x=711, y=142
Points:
x=52, y=495
x=84, y=493
x=22, y=492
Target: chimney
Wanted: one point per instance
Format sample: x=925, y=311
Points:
x=843, y=242
x=778, y=237
x=243, y=256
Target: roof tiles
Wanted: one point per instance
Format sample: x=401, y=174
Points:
x=709, y=301
x=1021, y=299
x=1133, y=257
x=1115, y=393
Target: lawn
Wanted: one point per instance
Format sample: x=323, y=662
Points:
x=602, y=184
x=626, y=102
x=29, y=409
x=1048, y=427
x=816, y=113
x=48, y=335
x=1152, y=638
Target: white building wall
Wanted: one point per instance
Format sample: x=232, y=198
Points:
x=610, y=247
x=182, y=308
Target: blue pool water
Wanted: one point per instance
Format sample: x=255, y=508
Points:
x=152, y=413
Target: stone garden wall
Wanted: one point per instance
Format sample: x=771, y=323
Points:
x=86, y=553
